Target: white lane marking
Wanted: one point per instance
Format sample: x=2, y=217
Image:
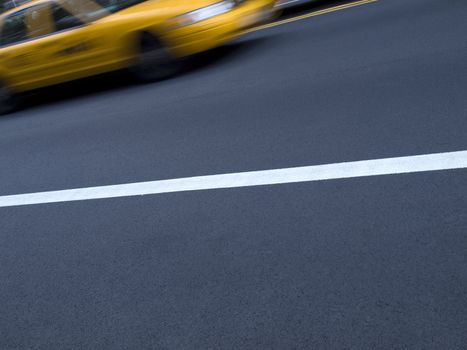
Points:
x=387, y=166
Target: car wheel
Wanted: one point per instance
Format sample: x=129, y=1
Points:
x=153, y=62
x=7, y=101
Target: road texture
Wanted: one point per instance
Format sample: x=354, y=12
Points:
x=365, y=263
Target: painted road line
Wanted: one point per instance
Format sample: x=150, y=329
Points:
x=386, y=166
x=311, y=14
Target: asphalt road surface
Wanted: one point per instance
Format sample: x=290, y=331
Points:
x=376, y=262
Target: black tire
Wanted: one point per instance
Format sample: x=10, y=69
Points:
x=153, y=61
x=8, y=101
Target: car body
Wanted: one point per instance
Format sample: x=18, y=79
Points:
x=45, y=42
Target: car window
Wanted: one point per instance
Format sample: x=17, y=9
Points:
x=63, y=19
x=39, y=21
x=86, y=10
x=14, y=28
x=6, y=5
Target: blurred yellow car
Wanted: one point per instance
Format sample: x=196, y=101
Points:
x=45, y=42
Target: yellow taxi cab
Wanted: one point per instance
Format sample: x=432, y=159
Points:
x=46, y=42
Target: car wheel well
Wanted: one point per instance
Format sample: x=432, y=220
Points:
x=153, y=60
x=145, y=37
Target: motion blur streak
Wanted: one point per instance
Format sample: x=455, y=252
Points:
x=311, y=14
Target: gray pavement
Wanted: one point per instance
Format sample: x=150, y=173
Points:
x=370, y=263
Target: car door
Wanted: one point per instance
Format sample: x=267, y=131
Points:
x=19, y=55
x=40, y=32
x=78, y=48
x=41, y=45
